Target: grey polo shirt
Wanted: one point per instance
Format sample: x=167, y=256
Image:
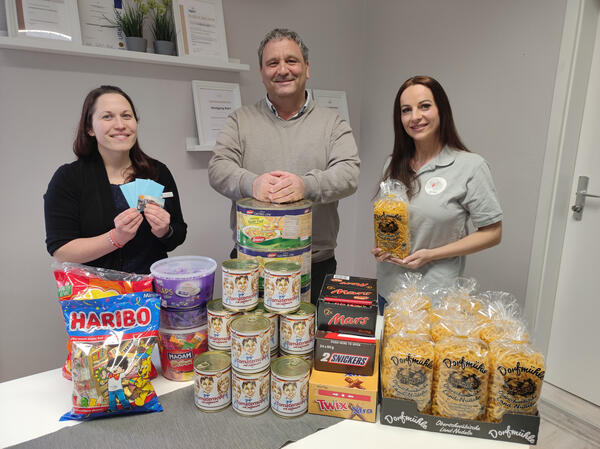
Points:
x=456, y=188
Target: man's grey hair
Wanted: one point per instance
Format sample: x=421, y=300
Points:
x=278, y=34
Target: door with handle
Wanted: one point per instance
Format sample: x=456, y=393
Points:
x=580, y=196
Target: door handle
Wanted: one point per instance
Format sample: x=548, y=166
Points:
x=580, y=196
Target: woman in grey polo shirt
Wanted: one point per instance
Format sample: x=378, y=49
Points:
x=447, y=185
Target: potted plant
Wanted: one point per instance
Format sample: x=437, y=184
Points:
x=130, y=20
x=162, y=26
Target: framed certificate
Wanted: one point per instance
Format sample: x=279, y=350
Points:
x=200, y=28
x=96, y=30
x=213, y=102
x=49, y=19
x=334, y=99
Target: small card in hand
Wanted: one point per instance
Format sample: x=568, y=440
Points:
x=145, y=199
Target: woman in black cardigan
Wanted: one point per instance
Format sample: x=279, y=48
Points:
x=87, y=217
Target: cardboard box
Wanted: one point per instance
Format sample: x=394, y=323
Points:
x=514, y=428
x=345, y=353
x=348, y=304
x=348, y=396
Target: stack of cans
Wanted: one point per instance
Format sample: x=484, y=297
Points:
x=268, y=232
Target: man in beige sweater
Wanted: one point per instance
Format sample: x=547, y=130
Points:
x=286, y=148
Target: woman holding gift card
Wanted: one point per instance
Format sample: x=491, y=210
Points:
x=96, y=208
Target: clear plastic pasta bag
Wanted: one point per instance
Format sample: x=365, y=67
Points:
x=413, y=293
x=391, y=219
x=517, y=374
x=397, y=318
x=407, y=364
x=503, y=318
x=461, y=373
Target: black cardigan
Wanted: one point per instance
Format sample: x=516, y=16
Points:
x=79, y=204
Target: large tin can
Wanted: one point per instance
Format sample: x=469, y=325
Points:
x=282, y=287
x=240, y=284
x=274, y=226
x=273, y=319
x=297, y=330
x=302, y=256
x=308, y=356
x=289, y=386
x=219, y=321
x=250, y=392
x=212, y=383
x=250, y=347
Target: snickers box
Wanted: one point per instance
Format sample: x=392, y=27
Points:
x=343, y=395
x=348, y=304
x=345, y=353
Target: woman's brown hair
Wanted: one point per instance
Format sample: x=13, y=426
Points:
x=85, y=145
x=404, y=146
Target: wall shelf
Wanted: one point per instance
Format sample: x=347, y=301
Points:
x=68, y=48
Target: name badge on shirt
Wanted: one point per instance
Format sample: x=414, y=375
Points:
x=435, y=185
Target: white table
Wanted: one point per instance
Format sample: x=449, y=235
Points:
x=30, y=408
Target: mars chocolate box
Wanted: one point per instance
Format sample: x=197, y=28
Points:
x=348, y=304
x=346, y=396
x=344, y=353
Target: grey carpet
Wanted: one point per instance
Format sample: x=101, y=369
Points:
x=182, y=425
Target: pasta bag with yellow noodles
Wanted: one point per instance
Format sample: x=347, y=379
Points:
x=407, y=366
x=517, y=373
x=397, y=318
x=502, y=318
x=460, y=375
x=461, y=296
x=412, y=292
x=391, y=219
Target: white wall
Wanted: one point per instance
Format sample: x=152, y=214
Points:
x=496, y=59
x=40, y=102
x=497, y=62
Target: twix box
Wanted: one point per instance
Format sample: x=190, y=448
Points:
x=348, y=304
x=348, y=396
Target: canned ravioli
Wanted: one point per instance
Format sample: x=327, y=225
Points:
x=212, y=386
x=274, y=320
x=219, y=322
x=240, y=284
x=297, y=330
x=250, y=348
x=282, y=287
x=250, y=392
x=289, y=386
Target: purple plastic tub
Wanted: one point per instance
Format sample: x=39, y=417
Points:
x=184, y=282
x=182, y=318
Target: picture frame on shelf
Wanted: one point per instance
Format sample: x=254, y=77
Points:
x=96, y=28
x=46, y=19
x=200, y=28
x=213, y=103
x=333, y=99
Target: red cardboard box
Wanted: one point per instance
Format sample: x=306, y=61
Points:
x=348, y=304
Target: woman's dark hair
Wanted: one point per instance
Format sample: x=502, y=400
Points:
x=85, y=145
x=404, y=146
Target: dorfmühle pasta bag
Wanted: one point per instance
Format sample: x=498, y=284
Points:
x=390, y=211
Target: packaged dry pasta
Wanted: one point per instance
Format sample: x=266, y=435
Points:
x=445, y=321
x=461, y=296
x=503, y=318
x=391, y=219
x=517, y=373
x=460, y=382
x=397, y=318
x=412, y=294
x=407, y=368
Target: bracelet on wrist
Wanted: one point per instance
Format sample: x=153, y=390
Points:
x=112, y=240
x=168, y=234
